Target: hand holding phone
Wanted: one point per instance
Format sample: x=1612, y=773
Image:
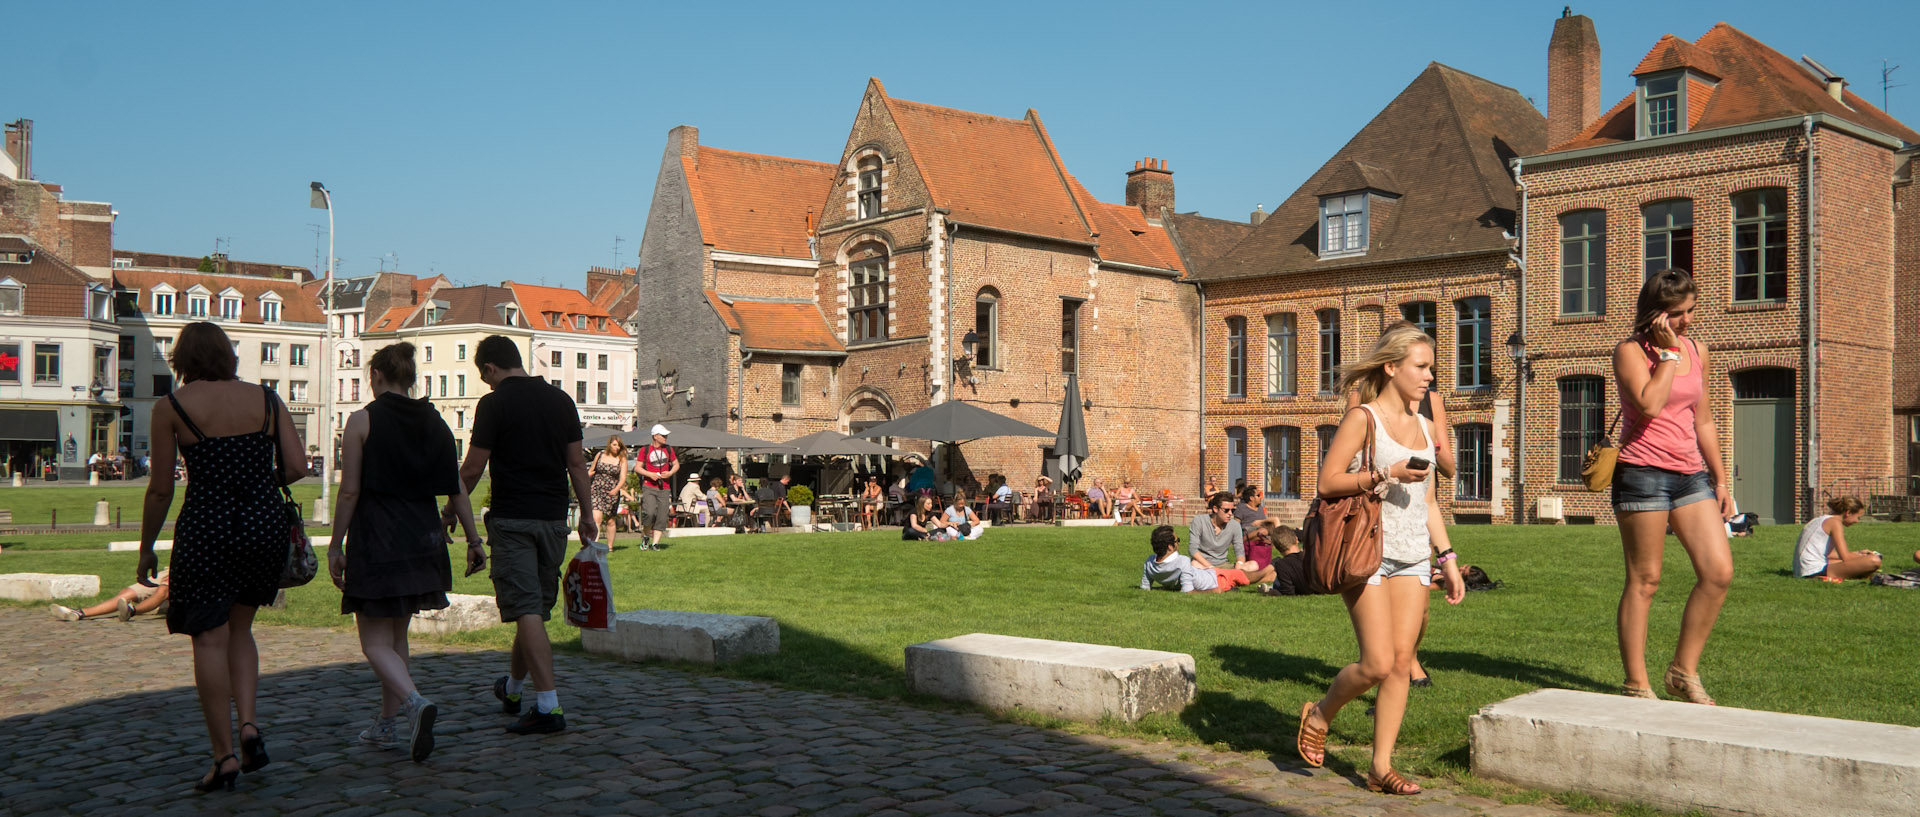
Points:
x=1418, y=464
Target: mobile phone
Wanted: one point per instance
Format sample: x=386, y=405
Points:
x=1418, y=464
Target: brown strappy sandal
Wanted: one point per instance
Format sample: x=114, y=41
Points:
x=1311, y=739
x=1392, y=783
x=1686, y=686
x=1632, y=691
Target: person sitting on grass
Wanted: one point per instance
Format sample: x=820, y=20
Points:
x=1289, y=564
x=1166, y=569
x=137, y=599
x=961, y=521
x=922, y=523
x=1823, y=550
x=1215, y=536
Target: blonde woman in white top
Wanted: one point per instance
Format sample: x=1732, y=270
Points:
x=1388, y=611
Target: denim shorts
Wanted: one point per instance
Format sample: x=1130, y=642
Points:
x=1391, y=568
x=1646, y=488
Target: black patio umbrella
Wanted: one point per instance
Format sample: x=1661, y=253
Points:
x=680, y=435
x=954, y=422
x=1070, y=442
x=597, y=436
x=834, y=444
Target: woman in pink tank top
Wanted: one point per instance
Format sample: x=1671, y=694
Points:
x=1670, y=475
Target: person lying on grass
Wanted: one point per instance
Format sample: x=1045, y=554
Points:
x=139, y=598
x=1166, y=569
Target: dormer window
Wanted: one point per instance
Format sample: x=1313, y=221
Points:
x=1662, y=98
x=270, y=308
x=13, y=297
x=163, y=300
x=99, y=303
x=197, y=302
x=580, y=323
x=123, y=263
x=553, y=320
x=508, y=315
x=1343, y=225
x=436, y=309
x=230, y=304
x=869, y=181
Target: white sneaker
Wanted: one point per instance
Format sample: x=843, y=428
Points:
x=420, y=714
x=383, y=733
x=64, y=613
x=125, y=611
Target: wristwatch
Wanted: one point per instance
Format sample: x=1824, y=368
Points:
x=1670, y=354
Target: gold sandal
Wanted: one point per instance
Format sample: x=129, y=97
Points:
x=1311, y=739
x=1391, y=783
x=1686, y=686
x=1632, y=691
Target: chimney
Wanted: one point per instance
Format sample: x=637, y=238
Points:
x=686, y=140
x=20, y=146
x=1258, y=215
x=1150, y=186
x=1837, y=88
x=1573, y=76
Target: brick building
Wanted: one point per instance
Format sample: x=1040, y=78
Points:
x=1776, y=187
x=1410, y=219
x=840, y=295
x=79, y=232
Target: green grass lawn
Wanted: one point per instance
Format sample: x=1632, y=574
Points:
x=848, y=603
x=35, y=503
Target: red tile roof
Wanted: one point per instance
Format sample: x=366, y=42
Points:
x=990, y=170
x=757, y=204
x=1672, y=52
x=54, y=288
x=295, y=305
x=776, y=326
x=1757, y=84
x=556, y=308
x=394, y=318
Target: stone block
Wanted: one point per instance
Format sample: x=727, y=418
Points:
x=47, y=586
x=463, y=612
x=1681, y=756
x=702, y=638
x=1064, y=679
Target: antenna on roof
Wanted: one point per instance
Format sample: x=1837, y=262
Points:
x=317, y=230
x=1887, y=83
x=617, y=241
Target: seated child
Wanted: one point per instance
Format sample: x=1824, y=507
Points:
x=1823, y=545
x=1289, y=564
x=1168, y=570
x=136, y=599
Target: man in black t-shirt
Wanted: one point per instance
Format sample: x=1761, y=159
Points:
x=527, y=433
x=1289, y=564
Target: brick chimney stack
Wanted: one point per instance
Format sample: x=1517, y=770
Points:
x=1573, y=76
x=1150, y=186
x=685, y=139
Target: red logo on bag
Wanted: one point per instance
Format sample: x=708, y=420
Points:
x=589, y=604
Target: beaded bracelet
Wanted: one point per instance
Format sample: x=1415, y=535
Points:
x=1447, y=557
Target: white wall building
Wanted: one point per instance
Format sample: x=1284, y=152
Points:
x=59, y=356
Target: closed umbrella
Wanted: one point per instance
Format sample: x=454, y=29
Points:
x=1070, y=442
x=953, y=422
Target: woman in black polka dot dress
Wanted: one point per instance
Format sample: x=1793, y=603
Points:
x=231, y=538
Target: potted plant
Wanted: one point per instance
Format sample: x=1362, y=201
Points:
x=800, y=506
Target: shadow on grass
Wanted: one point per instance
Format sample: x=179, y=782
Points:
x=1267, y=665
x=1534, y=673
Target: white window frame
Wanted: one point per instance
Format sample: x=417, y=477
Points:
x=1352, y=208
x=297, y=391
x=232, y=304
x=297, y=355
x=199, y=298
x=167, y=292
x=20, y=291
x=269, y=352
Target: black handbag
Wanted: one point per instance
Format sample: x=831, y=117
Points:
x=302, y=563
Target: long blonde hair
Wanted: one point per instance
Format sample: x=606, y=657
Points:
x=1369, y=374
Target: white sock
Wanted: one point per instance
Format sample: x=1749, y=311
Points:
x=514, y=685
x=415, y=699
x=546, y=701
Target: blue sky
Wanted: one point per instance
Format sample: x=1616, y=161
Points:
x=493, y=141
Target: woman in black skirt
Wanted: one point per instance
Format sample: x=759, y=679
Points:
x=398, y=458
x=231, y=540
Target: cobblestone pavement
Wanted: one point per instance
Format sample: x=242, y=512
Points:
x=99, y=718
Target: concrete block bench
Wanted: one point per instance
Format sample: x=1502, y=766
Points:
x=47, y=586
x=703, y=638
x=1061, y=678
x=1682, y=756
x=463, y=612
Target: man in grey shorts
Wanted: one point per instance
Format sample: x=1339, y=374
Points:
x=658, y=463
x=527, y=433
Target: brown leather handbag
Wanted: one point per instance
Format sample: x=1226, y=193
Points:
x=1342, y=536
x=1597, y=469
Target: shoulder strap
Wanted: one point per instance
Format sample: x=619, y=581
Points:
x=177, y=409
x=1366, y=447
x=266, y=395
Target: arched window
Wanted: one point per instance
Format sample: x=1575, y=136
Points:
x=1583, y=263
x=869, y=181
x=1669, y=235
x=1582, y=410
x=1760, y=246
x=1325, y=433
x=1329, y=349
x=1236, y=357
x=1421, y=314
x=1473, y=452
x=1281, y=344
x=1283, y=462
x=867, y=295
x=986, y=325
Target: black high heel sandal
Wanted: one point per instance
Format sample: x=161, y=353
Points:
x=254, y=750
x=219, y=779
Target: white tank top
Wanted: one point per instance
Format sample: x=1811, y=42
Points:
x=1403, y=509
x=1811, y=557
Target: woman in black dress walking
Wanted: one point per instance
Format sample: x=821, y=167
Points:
x=398, y=457
x=231, y=540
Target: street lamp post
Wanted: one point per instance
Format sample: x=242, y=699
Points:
x=322, y=198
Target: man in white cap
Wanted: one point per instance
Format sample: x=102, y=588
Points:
x=658, y=464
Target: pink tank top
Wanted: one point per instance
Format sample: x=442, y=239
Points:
x=1667, y=440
